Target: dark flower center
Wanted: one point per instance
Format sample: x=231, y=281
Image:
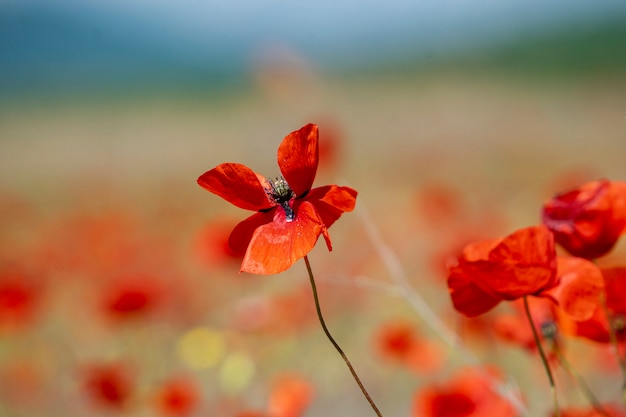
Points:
x=281, y=193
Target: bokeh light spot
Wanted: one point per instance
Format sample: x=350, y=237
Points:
x=236, y=372
x=201, y=348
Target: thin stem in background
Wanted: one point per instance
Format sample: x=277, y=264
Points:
x=615, y=344
x=579, y=380
x=438, y=326
x=544, y=359
x=332, y=340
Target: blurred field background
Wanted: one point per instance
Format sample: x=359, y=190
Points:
x=454, y=122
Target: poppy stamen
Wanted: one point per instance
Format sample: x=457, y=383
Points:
x=281, y=193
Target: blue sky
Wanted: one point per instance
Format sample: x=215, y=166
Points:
x=70, y=36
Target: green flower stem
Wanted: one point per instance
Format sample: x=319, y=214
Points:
x=579, y=380
x=546, y=365
x=332, y=340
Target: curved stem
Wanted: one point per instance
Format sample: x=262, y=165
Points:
x=546, y=365
x=332, y=340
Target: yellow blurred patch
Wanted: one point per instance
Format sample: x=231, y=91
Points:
x=236, y=373
x=201, y=348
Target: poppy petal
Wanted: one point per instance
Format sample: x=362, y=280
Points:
x=467, y=297
x=241, y=235
x=237, y=184
x=276, y=245
x=332, y=201
x=298, y=156
x=523, y=263
x=595, y=328
x=579, y=288
x=479, y=251
x=615, y=284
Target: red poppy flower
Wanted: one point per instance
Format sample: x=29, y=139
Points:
x=588, y=221
x=468, y=394
x=490, y=271
x=523, y=263
x=290, y=215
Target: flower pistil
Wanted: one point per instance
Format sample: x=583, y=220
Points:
x=281, y=193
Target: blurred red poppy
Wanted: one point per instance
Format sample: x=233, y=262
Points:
x=290, y=215
x=400, y=342
x=290, y=396
x=211, y=243
x=588, y=221
x=108, y=385
x=19, y=300
x=523, y=263
x=178, y=397
x=467, y=394
x=132, y=296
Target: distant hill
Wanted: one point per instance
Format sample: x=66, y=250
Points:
x=568, y=51
x=575, y=50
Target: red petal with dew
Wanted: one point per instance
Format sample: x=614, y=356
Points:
x=237, y=184
x=579, y=288
x=275, y=246
x=240, y=237
x=298, y=156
